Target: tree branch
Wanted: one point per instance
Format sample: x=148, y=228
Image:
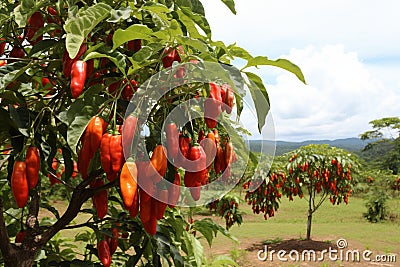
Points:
x=32, y=219
x=5, y=246
x=79, y=196
x=323, y=197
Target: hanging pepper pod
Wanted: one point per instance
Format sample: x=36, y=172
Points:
x=128, y=183
x=128, y=133
x=35, y=22
x=117, y=154
x=172, y=140
x=100, y=199
x=68, y=62
x=174, y=191
x=104, y=253
x=32, y=162
x=78, y=78
x=158, y=166
x=19, y=183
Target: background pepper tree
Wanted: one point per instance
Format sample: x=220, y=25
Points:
x=318, y=172
x=67, y=72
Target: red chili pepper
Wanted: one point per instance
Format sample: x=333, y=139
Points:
x=89, y=68
x=210, y=148
x=16, y=52
x=104, y=253
x=19, y=183
x=84, y=159
x=94, y=133
x=144, y=177
x=52, y=11
x=32, y=162
x=105, y=155
x=228, y=100
x=2, y=46
x=117, y=154
x=129, y=90
x=135, y=45
x=158, y=166
x=223, y=94
x=199, y=176
x=160, y=203
x=174, y=192
x=20, y=237
x=78, y=78
x=112, y=240
x=128, y=132
x=54, y=166
x=197, y=155
x=134, y=209
x=145, y=207
x=184, y=146
x=151, y=225
x=35, y=22
x=195, y=191
x=170, y=55
x=128, y=183
x=201, y=136
x=172, y=140
x=67, y=61
x=228, y=153
x=100, y=199
x=75, y=171
x=212, y=106
x=219, y=161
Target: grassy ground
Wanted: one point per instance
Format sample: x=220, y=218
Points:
x=329, y=224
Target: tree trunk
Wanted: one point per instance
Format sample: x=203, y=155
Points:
x=309, y=225
x=20, y=256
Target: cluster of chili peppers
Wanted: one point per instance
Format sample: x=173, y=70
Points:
x=25, y=176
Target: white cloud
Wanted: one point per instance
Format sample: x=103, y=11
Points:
x=271, y=27
x=348, y=84
x=340, y=98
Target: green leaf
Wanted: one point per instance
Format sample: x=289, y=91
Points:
x=230, y=4
x=116, y=57
x=189, y=24
x=237, y=51
x=155, y=7
x=42, y=46
x=175, y=29
x=11, y=72
x=50, y=208
x=280, y=63
x=78, y=27
x=136, y=31
x=260, y=98
x=78, y=116
x=223, y=260
x=199, y=19
x=195, y=43
x=23, y=11
x=120, y=14
x=3, y=19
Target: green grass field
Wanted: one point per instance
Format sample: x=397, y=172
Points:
x=329, y=224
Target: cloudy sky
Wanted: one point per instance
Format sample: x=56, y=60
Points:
x=349, y=52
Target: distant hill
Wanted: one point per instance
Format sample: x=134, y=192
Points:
x=353, y=144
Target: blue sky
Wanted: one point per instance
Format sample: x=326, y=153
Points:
x=349, y=52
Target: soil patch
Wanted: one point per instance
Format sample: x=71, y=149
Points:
x=294, y=244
